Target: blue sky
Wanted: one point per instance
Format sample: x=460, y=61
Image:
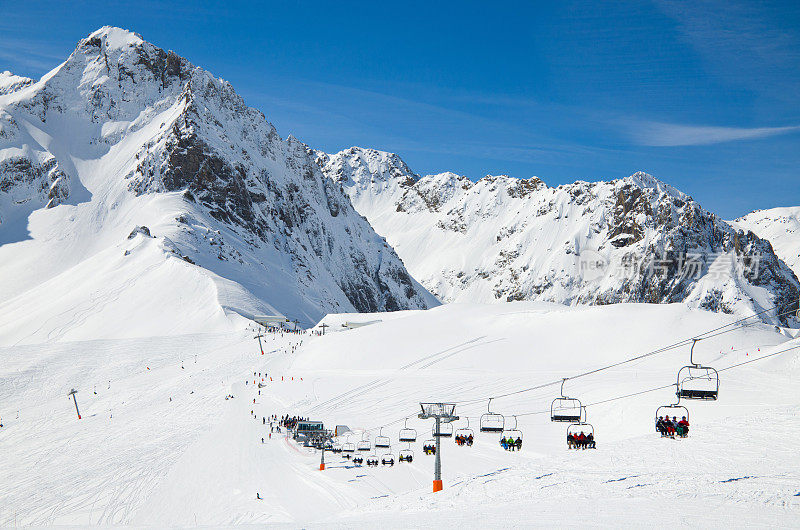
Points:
x=704, y=95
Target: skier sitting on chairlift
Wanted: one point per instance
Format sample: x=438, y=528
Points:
x=682, y=427
x=590, y=441
x=581, y=439
x=669, y=426
x=512, y=444
x=660, y=426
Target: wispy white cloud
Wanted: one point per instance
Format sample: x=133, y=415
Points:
x=746, y=43
x=671, y=134
x=28, y=56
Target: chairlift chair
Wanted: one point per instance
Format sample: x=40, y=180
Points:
x=577, y=428
x=406, y=455
x=513, y=433
x=696, y=381
x=364, y=444
x=464, y=432
x=565, y=409
x=582, y=426
x=382, y=441
x=431, y=444
x=445, y=430
x=387, y=459
x=490, y=421
x=372, y=459
x=407, y=434
x=676, y=410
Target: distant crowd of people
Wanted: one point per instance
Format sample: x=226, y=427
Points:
x=290, y=422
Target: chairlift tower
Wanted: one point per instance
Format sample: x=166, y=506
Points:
x=322, y=439
x=441, y=413
x=72, y=393
x=260, y=346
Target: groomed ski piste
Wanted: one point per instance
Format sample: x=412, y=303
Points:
x=159, y=445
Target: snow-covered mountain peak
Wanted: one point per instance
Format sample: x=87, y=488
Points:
x=646, y=180
x=125, y=134
x=114, y=38
x=361, y=167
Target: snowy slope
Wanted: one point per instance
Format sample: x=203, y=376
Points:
x=630, y=240
x=159, y=445
x=779, y=226
x=125, y=135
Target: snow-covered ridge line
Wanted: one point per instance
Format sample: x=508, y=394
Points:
x=634, y=239
x=781, y=227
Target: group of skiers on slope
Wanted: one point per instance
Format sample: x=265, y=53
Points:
x=464, y=440
x=278, y=330
x=671, y=427
x=580, y=441
x=290, y=422
x=510, y=444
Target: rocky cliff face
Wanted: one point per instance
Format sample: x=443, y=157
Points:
x=631, y=240
x=779, y=226
x=125, y=134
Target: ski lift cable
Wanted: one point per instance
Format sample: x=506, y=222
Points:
x=625, y=396
x=634, y=394
x=372, y=385
x=698, y=337
x=701, y=336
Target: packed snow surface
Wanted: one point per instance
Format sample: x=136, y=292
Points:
x=160, y=445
